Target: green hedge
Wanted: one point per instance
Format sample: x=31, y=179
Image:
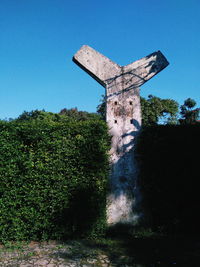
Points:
x=170, y=175
x=53, y=179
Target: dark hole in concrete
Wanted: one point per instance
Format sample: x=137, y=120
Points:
x=115, y=121
x=131, y=103
x=115, y=102
x=131, y=121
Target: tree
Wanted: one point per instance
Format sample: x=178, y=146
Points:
x=77, y=115
x=188, y=114
x=40, y=115
x=64, y=115
x=101, y=108
x=155, y=109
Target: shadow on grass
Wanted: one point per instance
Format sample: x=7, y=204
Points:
x=122, y=247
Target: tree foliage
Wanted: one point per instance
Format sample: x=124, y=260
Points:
x=101, y=108
x=77, y=115
x=155, y=109
x=40, y=115
x=189, y=115
x=65, y=115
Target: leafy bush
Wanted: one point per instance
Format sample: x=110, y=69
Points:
x=53, y=179
x=169, y=176
x=65, y=115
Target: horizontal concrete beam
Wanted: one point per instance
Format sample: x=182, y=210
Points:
x=95, y=64
x=102, y=69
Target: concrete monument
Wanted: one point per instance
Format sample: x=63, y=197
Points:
x=123, y=115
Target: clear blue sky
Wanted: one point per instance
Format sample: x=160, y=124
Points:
x=39, y=37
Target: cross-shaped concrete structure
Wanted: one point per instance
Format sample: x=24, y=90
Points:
x=123, y=115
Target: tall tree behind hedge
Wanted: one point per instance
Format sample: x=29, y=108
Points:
x=155, y=109
x=189, y=115
x=65, y=115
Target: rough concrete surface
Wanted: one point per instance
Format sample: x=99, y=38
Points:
x=123, y=115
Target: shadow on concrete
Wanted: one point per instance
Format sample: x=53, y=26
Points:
x=127, y=185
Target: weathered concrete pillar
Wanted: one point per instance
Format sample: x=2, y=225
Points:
x=123, y=115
